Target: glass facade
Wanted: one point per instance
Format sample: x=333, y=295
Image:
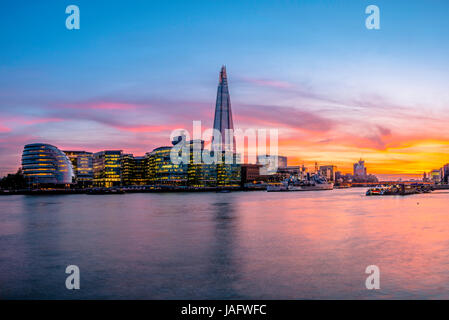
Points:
x=161, y=171
x=82, y=163
x=200, y=175
x=139, y=176
x=46, y=164
x=134, y=170
x=229, y=175
x=127, y=169
x=107, y=168
x=223, y=114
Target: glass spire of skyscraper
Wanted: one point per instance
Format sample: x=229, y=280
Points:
x=223, y=113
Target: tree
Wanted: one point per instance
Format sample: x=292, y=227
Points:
x=13, y=181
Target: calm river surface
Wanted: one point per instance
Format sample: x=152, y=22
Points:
x=240, y=245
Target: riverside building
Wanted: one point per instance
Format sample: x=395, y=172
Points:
x=229, y=175
x=139, y=173
x=107, y=168
x=200, y=174
x=134, y=170
x=161, y=171
x=45, y=165
x=328, y=172
x=82, y=163
x=360, y=169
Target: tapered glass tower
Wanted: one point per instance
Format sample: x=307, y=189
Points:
x=223, y=114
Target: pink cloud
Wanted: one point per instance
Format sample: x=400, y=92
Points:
x=4, y=129
x=283, y=117
x=24, y=120
x=10, y=151
x=269, y=83
x=145, y=128
x=108, y=105
x=112, y=106
x=40, y=120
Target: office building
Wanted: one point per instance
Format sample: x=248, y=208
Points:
x=328, y=172
x=127, y=169
x=139, y=174
x=250, y=173
x=134, y=170
x=282, y=162
x=107, y=168
x=82, y=163
x=446, y=173
x=436, y=175
x=200, y=174
x=359, y=169
x=229, y=174
x=161, y=170
x=271, y=163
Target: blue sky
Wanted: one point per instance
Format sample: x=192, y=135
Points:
x=314, y=57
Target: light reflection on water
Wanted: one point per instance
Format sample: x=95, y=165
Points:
x=253, y=245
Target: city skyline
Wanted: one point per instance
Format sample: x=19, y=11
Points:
x=336, y=94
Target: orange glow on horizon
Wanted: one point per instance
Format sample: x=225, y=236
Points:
x=412, y=157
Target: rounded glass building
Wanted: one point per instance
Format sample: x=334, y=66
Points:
x=46, y=164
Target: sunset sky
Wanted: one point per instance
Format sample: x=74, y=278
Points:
x=136, y=70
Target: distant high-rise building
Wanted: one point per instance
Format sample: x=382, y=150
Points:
x=223, y=114
x=290, y=171
x=270, y=164
x=82, y=163
x=282, y=161
x=338, y=175
x=359, y=169
x=446, y=173
x=436, y=175
x=328, y=172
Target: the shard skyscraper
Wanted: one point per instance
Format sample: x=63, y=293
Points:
x=223, y=114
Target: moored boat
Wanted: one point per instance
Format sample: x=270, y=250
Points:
x=277, y=187
x=311, y=187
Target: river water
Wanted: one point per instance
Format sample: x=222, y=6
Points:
x=240, y=245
